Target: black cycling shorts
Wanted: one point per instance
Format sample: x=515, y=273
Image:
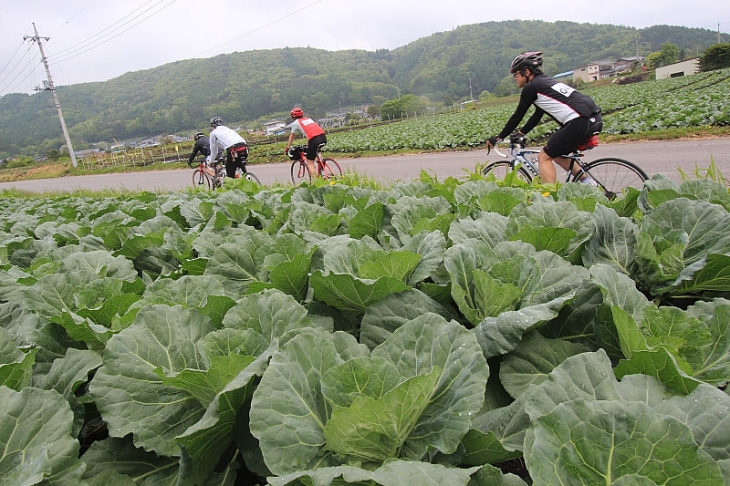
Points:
x=570, y=135
x=313, y=144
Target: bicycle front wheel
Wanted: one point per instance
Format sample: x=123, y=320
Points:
x=330, y=169
x=500, y=170
x=299, y=173
x=615, y=175
x=202, y=180
x=250, y=177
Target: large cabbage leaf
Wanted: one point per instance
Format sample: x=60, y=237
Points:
x=132, y=397
x=604, y=442
x=419, y=388
x=36, y=441
x=677, y=240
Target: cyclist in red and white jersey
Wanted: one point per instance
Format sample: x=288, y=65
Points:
x=577, y=114
x=312, y=132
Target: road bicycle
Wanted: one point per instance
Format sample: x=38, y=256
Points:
x=212, y=175
x=612, y=175
x=326, y=168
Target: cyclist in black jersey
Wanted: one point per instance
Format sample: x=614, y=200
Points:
x=202, y=146
x=577, y=114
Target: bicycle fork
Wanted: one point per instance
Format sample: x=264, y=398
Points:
x=521, y=161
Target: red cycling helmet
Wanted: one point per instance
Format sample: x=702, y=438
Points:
x=296, y=113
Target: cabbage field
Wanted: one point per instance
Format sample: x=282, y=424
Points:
x=454, y=332
x=690, y=101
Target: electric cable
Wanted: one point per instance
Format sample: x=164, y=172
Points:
x=20, y=73
x=72, y=52
x=261, y=27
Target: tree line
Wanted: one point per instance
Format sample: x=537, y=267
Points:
x=253, y=86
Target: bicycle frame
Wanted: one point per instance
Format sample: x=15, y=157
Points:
x=519, y=155
x=204, y=167
x=613, y=176
x=303, y=161
x=216, y=174
x=325, y=168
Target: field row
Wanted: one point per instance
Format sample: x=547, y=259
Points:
x=692, y=101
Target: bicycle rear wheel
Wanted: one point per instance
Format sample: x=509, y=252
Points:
x=299, y=172
x=615, y=175
x=330, y=169
x=202, y=180
x=502, y=169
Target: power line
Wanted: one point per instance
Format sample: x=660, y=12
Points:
x=91, y=38
x=90, y=44
x=74, y=16
x=12, y=85
x=262, y=27
x=11, y=58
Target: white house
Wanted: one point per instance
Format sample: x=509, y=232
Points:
x=595, y=70
x=681, y=68
x=274, y=127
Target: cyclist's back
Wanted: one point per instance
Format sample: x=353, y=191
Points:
x=202, y=146
x=562, y=102
x=224, y=139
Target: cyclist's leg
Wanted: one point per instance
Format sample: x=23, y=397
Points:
x=588, y=127
x=563, y=141
x=230, y=165
x=548, y=174
x=241, y=162
x=312, y=147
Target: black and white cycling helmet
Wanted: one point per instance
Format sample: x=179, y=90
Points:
x=527, y=60
x=216, y=121
x=197, y=136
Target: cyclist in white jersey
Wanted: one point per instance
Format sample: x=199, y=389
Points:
x=577, y=114
x=225, y=139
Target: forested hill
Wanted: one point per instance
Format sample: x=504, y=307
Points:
x=445, y=67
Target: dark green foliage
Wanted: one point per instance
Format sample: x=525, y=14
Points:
x=715, y=57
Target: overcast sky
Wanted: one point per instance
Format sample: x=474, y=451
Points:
x=96, y=40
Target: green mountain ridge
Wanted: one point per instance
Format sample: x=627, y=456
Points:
x=246, y=86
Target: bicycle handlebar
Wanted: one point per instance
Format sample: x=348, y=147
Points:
x=494, y=147
x=503, y=155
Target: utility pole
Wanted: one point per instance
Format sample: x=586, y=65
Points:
x=50, y=87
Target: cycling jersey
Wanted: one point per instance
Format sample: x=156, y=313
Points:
x=222, y=138
x=562, y=102
x=307, y=127
x=202, y=145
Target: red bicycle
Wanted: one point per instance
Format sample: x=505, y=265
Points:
x=326, y=168
x=211, y=176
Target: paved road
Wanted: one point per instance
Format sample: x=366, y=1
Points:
x=665, y=157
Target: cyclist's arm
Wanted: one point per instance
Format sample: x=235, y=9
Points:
x=196, y=149
x=213, y=147
x=294, y=128
x=526, y=98
x=532, y=122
